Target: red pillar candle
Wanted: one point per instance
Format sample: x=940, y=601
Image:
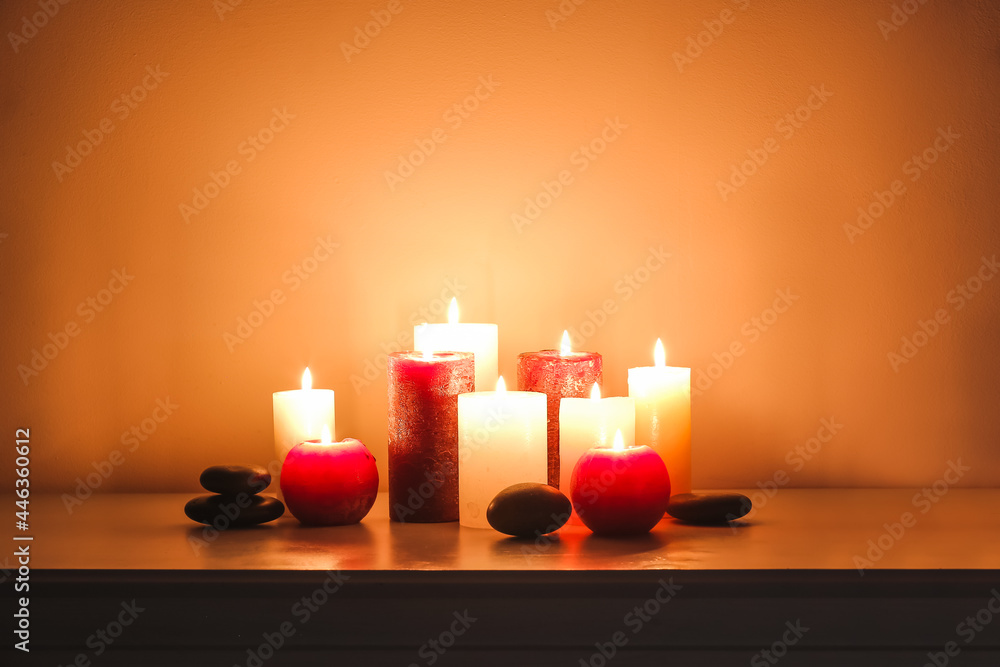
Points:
x=329, y=483
x=423, y=433
x=558, y=374
x=620, y=490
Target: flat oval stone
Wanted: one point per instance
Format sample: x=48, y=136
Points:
x=708, y=509
x=236, y=511
x=231, y=480
x=529, y=509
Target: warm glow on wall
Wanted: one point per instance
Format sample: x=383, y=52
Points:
x=799, y=200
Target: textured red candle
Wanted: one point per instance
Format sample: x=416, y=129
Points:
x=329, y=484
x=558, y=376
x=620, y=491
x=423, y=433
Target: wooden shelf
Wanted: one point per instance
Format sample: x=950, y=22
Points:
x=211, y=597
x=800, y=529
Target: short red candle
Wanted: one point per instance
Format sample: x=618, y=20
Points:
x=620, y=491
x=329, y=484
x=423, y=433
x=558, y=375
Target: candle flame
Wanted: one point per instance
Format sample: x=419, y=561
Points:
x=453, y=311
x=595, y=392
x=428, y=355
x=564, y=346
x=324, y=436
x=659, y=355
x=501, y=385
x=307, y=379
x=619, y=444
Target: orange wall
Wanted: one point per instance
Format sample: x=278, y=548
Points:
x=681, y=126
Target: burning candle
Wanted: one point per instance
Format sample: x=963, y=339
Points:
x=301, y=414
x=455, y=336
x=620, y=490
x=663, y=414
x=329, y=483
x=558, y=374
x=591, y=422
x=423, y=433
x=501, y=441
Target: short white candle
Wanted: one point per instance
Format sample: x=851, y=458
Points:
x=455, y=336
x=663, y=415
x=300, y=415
x=591, y=422
x=502, y=440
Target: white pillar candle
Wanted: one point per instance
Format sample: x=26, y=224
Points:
x=300, y=415
x=502, y=440
x=591, y=422
x=663, y=415
x=455, y=336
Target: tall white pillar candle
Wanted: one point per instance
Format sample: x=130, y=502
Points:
x=300, y=415
x=663, y=415
x=502, y=440
x=591, y=422
x=455, y=336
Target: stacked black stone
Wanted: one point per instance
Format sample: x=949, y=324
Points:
x=235, y=502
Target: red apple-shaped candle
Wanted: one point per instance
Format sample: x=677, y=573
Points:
x=329, y=483
x=620, y=490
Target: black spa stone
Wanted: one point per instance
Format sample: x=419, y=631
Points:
x=708, y=509
x=528, y=509
x=231, y=480
x=237, y=511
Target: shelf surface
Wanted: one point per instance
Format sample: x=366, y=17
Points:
x=211, y=598
x=796, y=529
